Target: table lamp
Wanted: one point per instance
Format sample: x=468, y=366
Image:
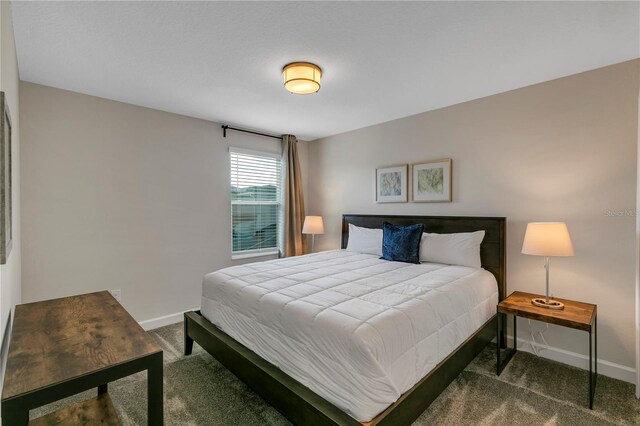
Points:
x=313, y=225
x=547, y=239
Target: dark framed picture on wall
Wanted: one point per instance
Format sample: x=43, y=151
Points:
x=6, y=235
x=432, y=181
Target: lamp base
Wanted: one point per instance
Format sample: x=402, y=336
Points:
x=553, y=304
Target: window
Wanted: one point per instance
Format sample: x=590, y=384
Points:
x=256, y=187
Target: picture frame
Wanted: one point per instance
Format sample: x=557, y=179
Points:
x=6, y=202
x=432, y=181
x=391, y=184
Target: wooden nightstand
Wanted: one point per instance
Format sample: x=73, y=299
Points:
x=578, y=315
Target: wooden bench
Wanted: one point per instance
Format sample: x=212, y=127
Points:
x=65, y=346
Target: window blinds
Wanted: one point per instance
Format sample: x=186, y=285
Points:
x=256, y=188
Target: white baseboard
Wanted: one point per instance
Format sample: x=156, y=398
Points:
x=606, y=368
x=152, y=323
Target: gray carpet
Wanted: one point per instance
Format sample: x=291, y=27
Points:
x=530, y=391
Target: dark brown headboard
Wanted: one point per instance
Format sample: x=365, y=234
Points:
x=493, y=253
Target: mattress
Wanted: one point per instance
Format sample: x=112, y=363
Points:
x=357, y=330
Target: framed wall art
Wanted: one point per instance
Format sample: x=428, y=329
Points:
x=432, y=181
x=6, y=205
x=391, y=184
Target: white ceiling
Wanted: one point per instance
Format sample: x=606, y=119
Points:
x=222, y=61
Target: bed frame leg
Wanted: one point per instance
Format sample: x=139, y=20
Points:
x=188, y=341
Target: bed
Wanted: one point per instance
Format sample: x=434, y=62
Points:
x=349, y=338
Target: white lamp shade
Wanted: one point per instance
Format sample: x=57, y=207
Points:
x=547, y=239
x=313, y=225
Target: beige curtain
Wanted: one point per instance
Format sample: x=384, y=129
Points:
x=293, y=198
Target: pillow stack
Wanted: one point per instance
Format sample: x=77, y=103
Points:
x=412, y=245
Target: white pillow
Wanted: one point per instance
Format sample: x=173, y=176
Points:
x=452, y=249
x=365, y=240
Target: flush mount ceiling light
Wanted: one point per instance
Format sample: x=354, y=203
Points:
x=302, y=77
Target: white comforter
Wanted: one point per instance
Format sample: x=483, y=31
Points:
x=357, y=330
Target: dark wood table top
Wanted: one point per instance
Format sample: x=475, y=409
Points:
x=574, y=315
x=61, y=339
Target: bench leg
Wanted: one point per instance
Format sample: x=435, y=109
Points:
x=155, y=401
x=102, y=389
x=14, y=416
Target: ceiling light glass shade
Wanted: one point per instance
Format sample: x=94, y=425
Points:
x=302, y=78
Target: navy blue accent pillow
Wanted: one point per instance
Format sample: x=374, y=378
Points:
x=401, y=243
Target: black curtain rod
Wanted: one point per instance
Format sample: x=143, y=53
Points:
x=225, y=128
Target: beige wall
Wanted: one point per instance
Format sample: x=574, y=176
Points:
x=119, y=196
x=564, y=150
x=10, y=272
x=638, y=260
